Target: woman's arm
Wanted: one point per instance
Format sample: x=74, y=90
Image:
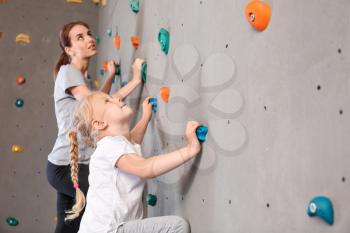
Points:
x=79, y=92
x=135, y=81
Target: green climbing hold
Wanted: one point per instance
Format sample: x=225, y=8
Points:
x=12, y=221
x=117, y=69
x=163, y=38
x=135, y=5
x=144, y=71
x=97, y=38
x=151, y=199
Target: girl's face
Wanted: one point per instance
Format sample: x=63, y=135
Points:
x=110, y=110
x=83, y=44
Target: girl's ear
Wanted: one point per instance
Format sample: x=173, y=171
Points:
x=99, y=125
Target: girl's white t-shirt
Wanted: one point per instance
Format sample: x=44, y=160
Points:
x=114, y=196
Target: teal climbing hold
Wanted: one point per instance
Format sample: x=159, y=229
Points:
x=19, y=103
x=135, y=5
x=164, y=38
x=154, y=103
x=123, y=83
x=11, y=221
x=321, y=207
x=151, y=199
x=97, y=38
x=144, y=71
x=109, y=32
x=117, y=69
x=102, y=72
x=201, y=133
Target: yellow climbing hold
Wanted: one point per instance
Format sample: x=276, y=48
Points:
x=96, y=1
x=96, y=83
x=74, y=1
x=23, y=38
x=103, y=2
x=17, y=148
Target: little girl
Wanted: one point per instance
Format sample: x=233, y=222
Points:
x=117, y=169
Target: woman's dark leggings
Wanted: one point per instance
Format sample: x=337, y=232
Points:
x=59, y=178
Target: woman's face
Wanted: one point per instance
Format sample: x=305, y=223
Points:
x=83, y=45
x=110, y=110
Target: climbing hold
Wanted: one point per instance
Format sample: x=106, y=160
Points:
x=20, y=80
x=258, y=14
x=96, y=83
x=144, y=71
x=105, y=65
x=23, y=38
x=3, y=1
x=151, y=199
x=201, y=133
x=1, y=34
x=135, y=41
x=109, y=32
x=165, y=93
x=11, y=221
x=17, y=148
x=97, y=38
x=117, y=41
x=19, y=103
x=74, y=1
x=123, y=83
x=117, y=69
x=96, y=1
x=102, y=72
x=135, y=5
x=163, y=38
x=103, y=2
x=321, y=207
x=153, y=101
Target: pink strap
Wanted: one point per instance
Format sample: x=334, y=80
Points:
x=75, y=185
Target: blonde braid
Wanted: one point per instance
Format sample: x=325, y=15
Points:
x=79, y=195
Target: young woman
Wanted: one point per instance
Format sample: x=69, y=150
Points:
x=117, y=169
x=72, y=83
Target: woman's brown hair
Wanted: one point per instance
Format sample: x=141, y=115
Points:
x=65, y=41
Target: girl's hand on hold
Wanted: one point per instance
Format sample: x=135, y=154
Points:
x=193, y=144
x=111, y=68
x=136, y=69
x=147, y=108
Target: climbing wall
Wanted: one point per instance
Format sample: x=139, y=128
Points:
x=28, y=129
x=276, y=102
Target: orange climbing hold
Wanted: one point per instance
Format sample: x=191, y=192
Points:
x=165, y=93
x=117, y=41
x=135, y=41
x=1, y=34
x=17, y=148
x=105, y=65
x=258, y=14
x=20, y=80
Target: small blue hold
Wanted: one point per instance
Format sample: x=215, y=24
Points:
x=109, y=32
x=19, y=103
x=201, y=132
x=102, y=72
x=123, y=83
x=154, y=102
x=321, y=207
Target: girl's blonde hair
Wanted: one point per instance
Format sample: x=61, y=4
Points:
x=82, y=126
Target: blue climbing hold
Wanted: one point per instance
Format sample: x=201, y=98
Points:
x=97, y=38
x=102, y=72
x=201, y=133
x=154, y=103
x=135, y=5
x=11, y=221
x=123, y=83
x=144, y=71
x=19, y=103
x=321, y=207
x=109, y=32
x=151, y=199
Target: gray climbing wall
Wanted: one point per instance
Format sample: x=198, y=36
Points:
x=276, y=103
x=24, y=191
